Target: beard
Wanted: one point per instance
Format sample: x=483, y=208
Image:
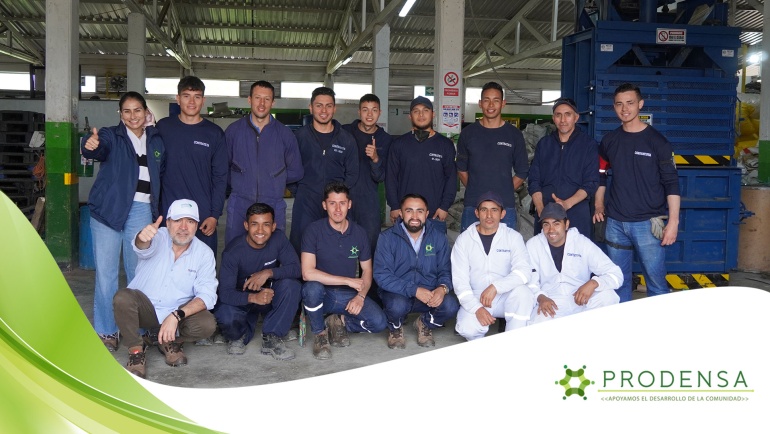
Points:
x=414, y=229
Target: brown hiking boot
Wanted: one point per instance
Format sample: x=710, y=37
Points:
x=136, y=362
x=396, y=339
x=424, y=334
x=338, y=334
x=321, y=350
x=174, y=354
x=110, y=341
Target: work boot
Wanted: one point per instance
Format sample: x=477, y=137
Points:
x=136, y=361
x=150, y=337
x=338, y=334
x=236, y=347
x=273, y=345
x=174, y=354
x=396, y=339
x=321, y=350
x=292, y=335
x=424, y=334
x=110, y=341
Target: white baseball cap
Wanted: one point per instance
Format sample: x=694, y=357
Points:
x=183, y=208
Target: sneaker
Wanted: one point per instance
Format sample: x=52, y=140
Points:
x=424, y=334
x=205, y=342
x=236, y=347
x=321, y=350
x=219, y=339
x=110, y=341
x=273, y=345
x=174, y=354
x=150, y=337
x=291, y=336
x=338, y=334
x=396, y=339
x=136, y=362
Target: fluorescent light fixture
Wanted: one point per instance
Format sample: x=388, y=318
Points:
x=347, y=60
x=171, y=52
x=407, y=6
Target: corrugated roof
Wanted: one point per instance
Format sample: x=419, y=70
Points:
x=286, y=31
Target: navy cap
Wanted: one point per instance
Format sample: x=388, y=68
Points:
x=553, y=211
x=421, y=100
x=492, y=197
x=569, y=101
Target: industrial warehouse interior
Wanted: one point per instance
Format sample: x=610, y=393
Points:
x=697, y=62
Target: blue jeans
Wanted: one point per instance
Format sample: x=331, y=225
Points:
x=469, y=218
x=237, y=321
x=625, y=238
x=320, y=299
x=397, y=307
x=107, y=244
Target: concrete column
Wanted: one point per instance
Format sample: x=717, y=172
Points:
x=61, y=131
x=763, y=172
x=137, y=31
x=448, y=79
x=381, y=69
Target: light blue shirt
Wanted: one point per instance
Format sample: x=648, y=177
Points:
x=415, y=243
x=170, y=283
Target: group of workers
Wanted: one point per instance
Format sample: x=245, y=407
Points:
x=161, y=190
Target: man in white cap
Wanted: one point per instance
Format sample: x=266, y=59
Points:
x=174, y=289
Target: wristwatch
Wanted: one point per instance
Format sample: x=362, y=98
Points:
x=180, y=314
x=446, y=288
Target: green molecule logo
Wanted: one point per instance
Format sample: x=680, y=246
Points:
x=565, y=382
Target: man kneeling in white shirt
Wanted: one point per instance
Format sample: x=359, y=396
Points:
x=562, y=261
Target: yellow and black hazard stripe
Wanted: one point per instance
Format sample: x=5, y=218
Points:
x=691, y=281
x=702, y=160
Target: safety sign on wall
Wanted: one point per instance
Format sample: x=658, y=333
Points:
x=450, y=118
x=671, y=36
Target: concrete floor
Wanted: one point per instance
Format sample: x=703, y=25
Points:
x=212, y=367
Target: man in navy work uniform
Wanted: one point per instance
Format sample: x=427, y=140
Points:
x=422, y=162
x=412, y=269
x=488, y=151
x=259, y=275
x=565, y=169
x=264, y=157
x=332, y=250
x=329, y=153
x=644, y=187
x=196, y=159
x=174, y=288
x=373, y=146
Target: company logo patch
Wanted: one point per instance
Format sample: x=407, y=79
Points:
x=201, y=143
x=353, y=253
x=429, y=251
x=567, y=381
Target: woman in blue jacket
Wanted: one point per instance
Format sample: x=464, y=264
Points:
x=123, y=200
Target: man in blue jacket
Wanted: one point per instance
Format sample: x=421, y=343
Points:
x=565, y=169
x=329, y=153
x=411, y=266
x=263, y=157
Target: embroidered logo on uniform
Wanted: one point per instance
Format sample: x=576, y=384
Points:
x=643, y=154
x=429, y=251
x=504, y=144
x=157, y=153
x=338, y=149
x=577, y=255
x=353, y=253
x=270, y=262
x=435, y=157
x=201, y=143
x=190, y=270
x=503, y=250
